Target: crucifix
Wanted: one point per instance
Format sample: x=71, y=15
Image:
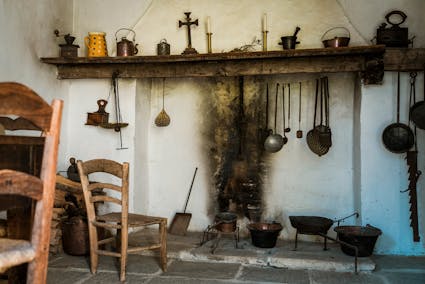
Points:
x=189, y=49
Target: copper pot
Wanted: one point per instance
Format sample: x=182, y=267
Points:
x=336, y=41
x=264, y=235
x=126, y=47
x=225, y=222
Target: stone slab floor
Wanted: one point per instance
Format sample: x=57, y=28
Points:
x=144, y=269
x=191, y=263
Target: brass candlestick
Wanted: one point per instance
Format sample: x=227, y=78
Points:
x=209, y=42
x=265, y=40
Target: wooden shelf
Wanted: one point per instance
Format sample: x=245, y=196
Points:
x=343, y=59
x=404, y=59
x=370, y=61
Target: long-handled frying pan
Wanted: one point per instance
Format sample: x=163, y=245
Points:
x=417, y=111
x=398, y=137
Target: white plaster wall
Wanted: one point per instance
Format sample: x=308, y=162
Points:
x=300, y=183
x=367, y=15
x=142, y=154
x=106, y=16
x=384, y=174
x=236, y=23
x=87, y=142
x=175, y=151
x=27, y=34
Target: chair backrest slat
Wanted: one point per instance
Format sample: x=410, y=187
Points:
x=103, y=165
x=17, y=99
x=19, y=123
x=101, y=185
x=105, y=198
x=19, y=183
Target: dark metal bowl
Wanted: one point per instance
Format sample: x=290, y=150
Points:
x=226, y=217
x=311, y=225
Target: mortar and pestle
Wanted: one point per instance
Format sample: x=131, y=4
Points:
x=289, y=42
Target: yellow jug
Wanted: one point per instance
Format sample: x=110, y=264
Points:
x=96, y=44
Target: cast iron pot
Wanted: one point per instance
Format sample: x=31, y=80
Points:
x=264, y=235
x=364, y=238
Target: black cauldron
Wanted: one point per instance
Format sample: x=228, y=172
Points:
x=363, y=237
x=264, y=235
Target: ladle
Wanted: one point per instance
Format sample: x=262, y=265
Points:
x=299, y=131
x=274, y=142
x=288, y=129
x=285, y=139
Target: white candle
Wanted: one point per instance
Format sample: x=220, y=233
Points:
x=208, y=25
x=265, y=22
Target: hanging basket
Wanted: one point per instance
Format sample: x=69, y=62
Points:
x=163, y=119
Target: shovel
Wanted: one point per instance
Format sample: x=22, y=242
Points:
x=181, y=220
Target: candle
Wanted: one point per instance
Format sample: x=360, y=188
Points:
x=208, y=25
x=265, y=22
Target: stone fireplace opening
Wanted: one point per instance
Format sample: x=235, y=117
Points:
x=236, y=145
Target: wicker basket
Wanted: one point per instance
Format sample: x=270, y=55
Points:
x=163, y=119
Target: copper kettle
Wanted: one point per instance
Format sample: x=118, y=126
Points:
x=126, y=47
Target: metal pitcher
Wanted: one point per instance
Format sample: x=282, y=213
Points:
x=163, y=48
x=126, y=47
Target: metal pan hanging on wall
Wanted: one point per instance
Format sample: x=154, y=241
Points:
x=417, y=111
x=398, y=137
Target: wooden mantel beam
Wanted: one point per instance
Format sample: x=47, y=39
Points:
x=364, y=59
x=404, y=59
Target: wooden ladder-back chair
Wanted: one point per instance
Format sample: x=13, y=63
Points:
x=22, y=109
x=121, y=221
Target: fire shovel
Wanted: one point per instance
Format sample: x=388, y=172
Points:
x=181, y=220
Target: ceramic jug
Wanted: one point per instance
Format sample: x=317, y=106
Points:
x=96, y=44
